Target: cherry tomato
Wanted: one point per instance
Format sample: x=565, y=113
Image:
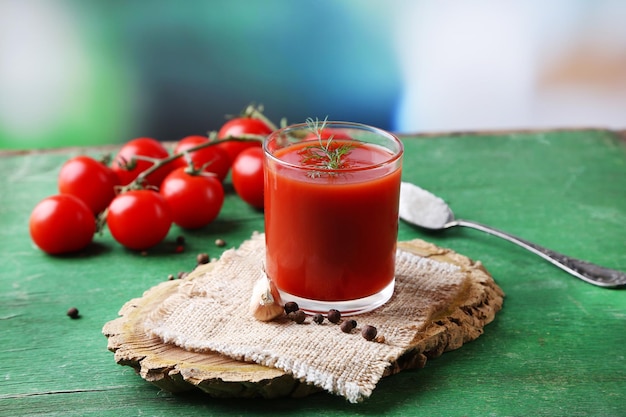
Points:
x=327, y=134
x=139, y=219
x=195, y=200
x=247, y=176
x=238, y=127
x=89, y=180
x=62, y=224
x=143, y=147
x=216, y=158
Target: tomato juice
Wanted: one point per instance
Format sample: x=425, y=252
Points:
x=331, y=233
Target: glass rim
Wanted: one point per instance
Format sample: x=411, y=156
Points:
x=350, y=125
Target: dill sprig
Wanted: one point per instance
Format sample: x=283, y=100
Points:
x=325, y=154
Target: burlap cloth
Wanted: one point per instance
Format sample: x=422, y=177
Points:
x=210, y=312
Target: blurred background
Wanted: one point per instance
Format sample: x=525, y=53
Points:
x=96, y=72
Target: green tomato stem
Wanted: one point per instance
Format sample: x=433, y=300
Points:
x=158, y=163
x=257, y=113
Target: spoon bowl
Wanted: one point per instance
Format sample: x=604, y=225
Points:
x=427, y=211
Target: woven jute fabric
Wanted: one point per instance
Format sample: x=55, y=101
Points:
x=209, y=312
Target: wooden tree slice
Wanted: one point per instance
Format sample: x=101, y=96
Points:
x=175, y=369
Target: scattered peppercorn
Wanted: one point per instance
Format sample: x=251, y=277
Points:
x=170, y=277
x=318, y=318
x=291, y=306
x=299, y=316
x=348, y=325
x=369, y=332
x=73, y=313
x=220, y=243
x=202, y=258
x=334, y=316
x=180, y=240
x=182, y=274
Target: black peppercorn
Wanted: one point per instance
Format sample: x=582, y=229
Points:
x=318, y=318
x=73, y=313
x=220, y=243
x=368, y=332
x=348, y=325
x=334, y=316
x=202, y=258
x=299, y=316
x=291, y=306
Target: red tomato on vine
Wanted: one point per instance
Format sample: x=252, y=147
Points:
x=139, y=219
x=62, y=224
x=238, y=127
x=247, y=176
x=195, y=199
x=135, y=157
x=91, y=181
x=328, y=134
x=213, y=158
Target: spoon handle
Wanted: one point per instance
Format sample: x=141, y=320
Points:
x=591, y=273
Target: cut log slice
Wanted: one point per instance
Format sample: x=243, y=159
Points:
x=175, y=369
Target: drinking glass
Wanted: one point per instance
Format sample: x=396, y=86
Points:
x=331, y=214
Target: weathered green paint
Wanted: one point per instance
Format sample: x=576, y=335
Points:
x=558, y=347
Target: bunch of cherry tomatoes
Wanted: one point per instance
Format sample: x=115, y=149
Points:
x=146, y=188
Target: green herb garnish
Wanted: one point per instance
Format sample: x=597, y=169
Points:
x=326, y=153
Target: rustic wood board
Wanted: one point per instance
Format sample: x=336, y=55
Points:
x=175, y=369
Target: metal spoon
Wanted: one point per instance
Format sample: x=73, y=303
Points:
x=421, y=208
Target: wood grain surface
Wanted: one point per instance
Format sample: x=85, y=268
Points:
x=174, y=369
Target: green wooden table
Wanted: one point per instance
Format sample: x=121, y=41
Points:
x=558, y=348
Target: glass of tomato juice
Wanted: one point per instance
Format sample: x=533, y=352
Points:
x=331, y=214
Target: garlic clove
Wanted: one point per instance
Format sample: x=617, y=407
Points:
x=265, y=304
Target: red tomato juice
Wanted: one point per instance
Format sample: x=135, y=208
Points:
x=332, y=236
